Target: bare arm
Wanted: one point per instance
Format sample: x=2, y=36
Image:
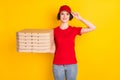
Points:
x=52, y=50
x=90, y=26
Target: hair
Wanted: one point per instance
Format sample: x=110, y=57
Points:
x=58, y=16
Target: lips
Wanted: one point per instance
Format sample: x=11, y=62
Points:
x=64, y=18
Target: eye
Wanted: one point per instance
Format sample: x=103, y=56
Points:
x=67, y=13
x=62, y=13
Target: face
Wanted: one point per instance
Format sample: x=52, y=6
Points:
x=64, y=16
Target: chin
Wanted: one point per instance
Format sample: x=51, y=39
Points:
x=64, y=21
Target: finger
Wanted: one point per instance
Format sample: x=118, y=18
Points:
x=73, y=13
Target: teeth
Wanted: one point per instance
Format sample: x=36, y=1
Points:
x=34, y=40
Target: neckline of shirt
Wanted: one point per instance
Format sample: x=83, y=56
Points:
x=64, y=29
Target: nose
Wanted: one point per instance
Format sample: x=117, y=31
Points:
x=65, y=16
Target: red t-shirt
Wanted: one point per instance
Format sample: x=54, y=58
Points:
x=65, y=42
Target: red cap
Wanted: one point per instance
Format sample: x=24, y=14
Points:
x=65, y=8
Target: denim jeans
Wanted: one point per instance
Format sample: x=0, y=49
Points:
x=65, y=72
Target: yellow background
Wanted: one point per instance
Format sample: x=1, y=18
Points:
x=98, y=52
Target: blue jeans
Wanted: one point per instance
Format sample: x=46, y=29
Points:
x=62, y=72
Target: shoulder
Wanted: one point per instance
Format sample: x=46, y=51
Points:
x=76, y=30
x=74, y=27
x=57, y=27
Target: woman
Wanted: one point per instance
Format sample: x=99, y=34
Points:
x=65, y=63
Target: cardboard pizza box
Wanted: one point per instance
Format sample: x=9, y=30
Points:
x=34, y=40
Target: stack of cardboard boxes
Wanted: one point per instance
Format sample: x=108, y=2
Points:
x=34, y=40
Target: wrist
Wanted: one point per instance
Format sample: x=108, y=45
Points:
x=81, y=19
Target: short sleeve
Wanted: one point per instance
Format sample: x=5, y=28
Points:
x=77, y=30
